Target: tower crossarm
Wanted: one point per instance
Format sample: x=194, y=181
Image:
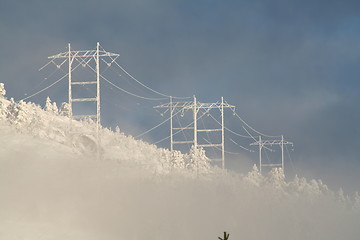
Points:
x=83, y=54
x=190, y=105
x=218, y=105
x=271, y=143
x=174, y=105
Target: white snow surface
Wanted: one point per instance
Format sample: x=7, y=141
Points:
x=53, y=186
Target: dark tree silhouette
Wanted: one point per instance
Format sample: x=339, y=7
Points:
x=226, y=236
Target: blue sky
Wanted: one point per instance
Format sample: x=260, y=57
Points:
x=290, y=67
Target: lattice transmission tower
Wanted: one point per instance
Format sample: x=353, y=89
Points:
x=195, y=107
x=263, y=143
x=85, y=58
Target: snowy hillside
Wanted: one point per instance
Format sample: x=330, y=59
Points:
x=53, y=186
x=53, y=124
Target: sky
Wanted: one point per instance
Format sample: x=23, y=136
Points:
x=289, y=67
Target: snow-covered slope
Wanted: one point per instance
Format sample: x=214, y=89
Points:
x=54, y=125
x=52, y=186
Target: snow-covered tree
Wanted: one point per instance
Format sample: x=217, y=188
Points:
x=197, y=160
x=3, y=110
x=254, y=177
x=312, y=190
x=357, y=201
x=17, y=112
x=48, y=105
x=277, y=178
x=51, y=106
x=177, y=160
x=2, y=90
x=65, y=109
x=343, y=199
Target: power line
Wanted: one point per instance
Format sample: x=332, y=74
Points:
x=151, y=129
x=128, y=80
x=42, y=90
x=197, y=107
x=179, y=130
x=249, y=133
x=139, y=82
x=182, y=130
x=291, y=161
x=241, y=146
x=262, y=143
x=233, y=153
x=123, y=90
x=271, y=150
x=208, y=135
x=145, y=86
x=132, y=94
x=52, y=61
x=267, y=157
x=237, y=134
x=262, y=134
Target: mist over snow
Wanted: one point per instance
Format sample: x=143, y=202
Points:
x=52, y=186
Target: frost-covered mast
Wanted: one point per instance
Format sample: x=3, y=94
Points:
x=262, y=143
x=84, y=58
x=196, y=106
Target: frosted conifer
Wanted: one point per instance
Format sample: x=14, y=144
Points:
x=2, y=90
x=64, y=109
x=51, y=106
x=341, y=197
x=55, y=108
x=16, y=112
x=197, y=160
x=357, y=201
x=254, y=177
x=277, y=177
x=177, y=160
x=3, y=110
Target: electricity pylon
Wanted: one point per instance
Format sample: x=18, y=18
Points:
x=261, y=143
x=84, y=57
x=196, y=106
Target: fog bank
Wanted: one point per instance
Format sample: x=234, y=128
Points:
x=49, y=193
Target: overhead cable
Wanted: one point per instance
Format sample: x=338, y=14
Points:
x=132, y=94
x=183, y=132
x=151, y=129
x=262, y=134
x=43, y=89
x=145, y=86
x=241, y=146
x=207, y=134
x=237, y=134
x=292, y=164
x=132, y=77
x=123, y=90
x=271, y=150
x=142, y=84
x=180, y=130
x=233, y=153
